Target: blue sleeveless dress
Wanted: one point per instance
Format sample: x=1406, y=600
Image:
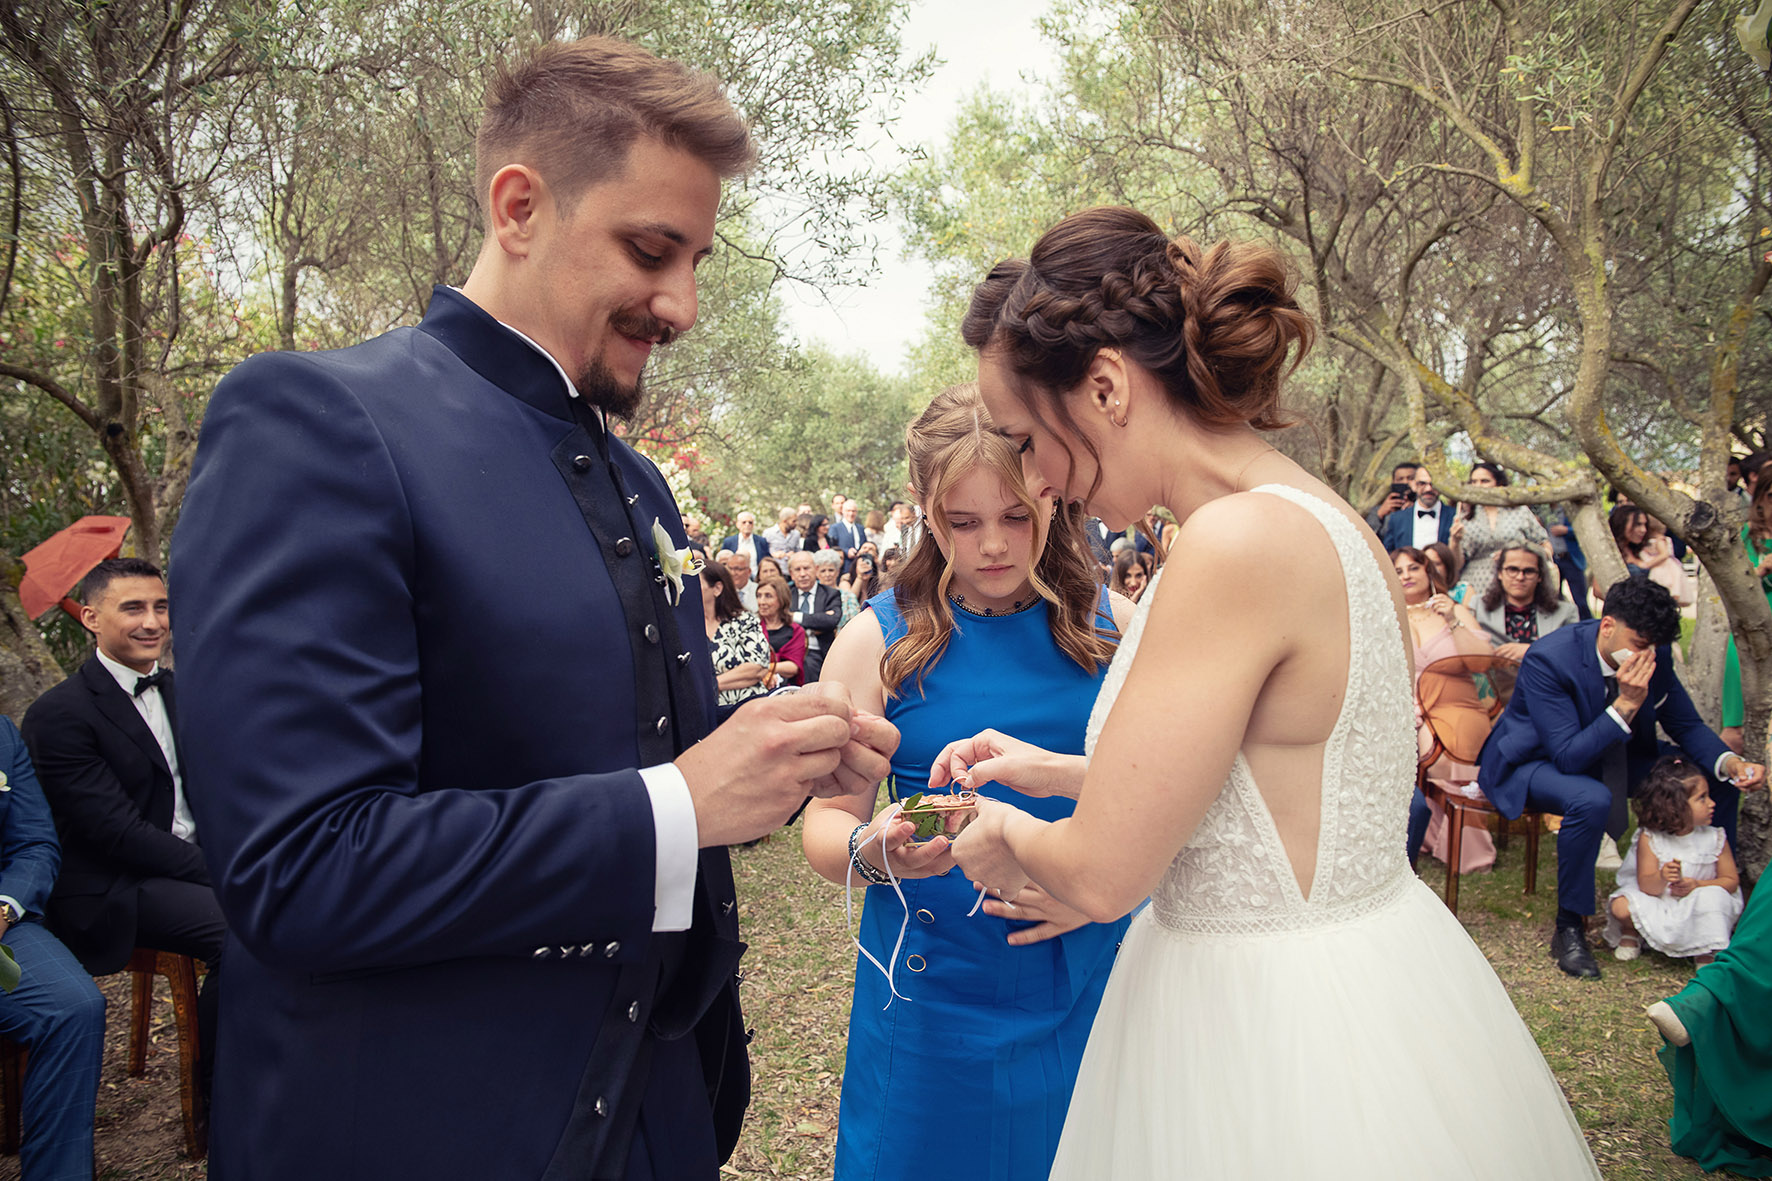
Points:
x=970, y=1078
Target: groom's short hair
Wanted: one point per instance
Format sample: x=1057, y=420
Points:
x=572, y=110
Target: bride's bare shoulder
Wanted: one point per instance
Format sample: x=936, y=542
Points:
x=1257, y=517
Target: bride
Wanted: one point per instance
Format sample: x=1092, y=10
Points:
x=1294, y=1002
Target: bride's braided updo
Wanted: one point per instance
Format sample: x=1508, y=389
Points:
x=1216, y=327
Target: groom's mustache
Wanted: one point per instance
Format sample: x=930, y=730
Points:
x=643, y=326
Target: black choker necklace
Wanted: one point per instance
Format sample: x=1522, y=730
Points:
x=1015, y=608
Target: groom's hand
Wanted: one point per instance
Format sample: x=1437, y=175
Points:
x=747, y=777
x=866, y=758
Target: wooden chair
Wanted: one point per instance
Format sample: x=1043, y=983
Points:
x=1460, y=698
x=181, y=973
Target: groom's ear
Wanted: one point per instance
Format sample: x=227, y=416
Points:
x=516, y=201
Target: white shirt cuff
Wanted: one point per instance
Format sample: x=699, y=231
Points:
x=677, y=850
x=1716, y=770
x=13, y=902
x=1622, y=724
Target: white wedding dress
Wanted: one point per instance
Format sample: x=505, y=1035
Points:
x=1250, y=1033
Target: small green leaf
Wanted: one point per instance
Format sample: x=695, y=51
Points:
x=9, y=970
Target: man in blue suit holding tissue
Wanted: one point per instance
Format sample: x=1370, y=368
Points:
x=1580, y=730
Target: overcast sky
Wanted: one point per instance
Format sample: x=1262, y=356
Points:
x=979, y=41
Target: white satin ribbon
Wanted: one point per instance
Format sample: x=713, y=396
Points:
x=887, y=968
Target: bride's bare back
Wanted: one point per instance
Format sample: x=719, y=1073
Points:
x=1242, y=656
x=1302, y=697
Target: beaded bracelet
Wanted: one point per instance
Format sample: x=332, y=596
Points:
x=863, y=867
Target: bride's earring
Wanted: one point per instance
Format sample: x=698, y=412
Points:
x=1119, y=420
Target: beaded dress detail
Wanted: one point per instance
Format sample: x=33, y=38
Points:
x=1234, y=877
x=1252, y=1030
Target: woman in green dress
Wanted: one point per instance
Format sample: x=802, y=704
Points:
x=1719, y=1051
x=1756, y=538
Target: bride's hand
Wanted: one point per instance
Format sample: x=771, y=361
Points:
x=909, y=859
x=982, y=850
x=992, y=756
x=1036, y=906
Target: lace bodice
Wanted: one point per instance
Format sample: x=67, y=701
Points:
x=1233, y=877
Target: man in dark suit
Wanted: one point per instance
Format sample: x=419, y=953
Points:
x=56, y=1012
x=748, y=542
x=447, y=698
x=1378, y=516
x=1422, y=523
x=815, y=607
x=847, y=534
x=106, y=749
x=1580, y=729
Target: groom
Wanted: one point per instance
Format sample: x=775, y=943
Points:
x=447, y=698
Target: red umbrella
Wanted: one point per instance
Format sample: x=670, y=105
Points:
x=53, y=568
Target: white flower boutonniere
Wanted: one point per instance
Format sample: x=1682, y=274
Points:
x=673, y=563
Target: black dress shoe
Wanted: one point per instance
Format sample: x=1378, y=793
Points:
x=1569, y=948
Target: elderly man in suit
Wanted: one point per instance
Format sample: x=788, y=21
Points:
x=1580, y=729
x=747, y=541
x=56, y=1012
x=106, y=748
x=448, y=699
x=847, y=534
x=816, y=607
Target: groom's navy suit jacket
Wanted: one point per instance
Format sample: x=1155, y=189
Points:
x=1558, y=715
x=423, y=651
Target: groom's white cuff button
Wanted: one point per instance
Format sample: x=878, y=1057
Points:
x=677, y=846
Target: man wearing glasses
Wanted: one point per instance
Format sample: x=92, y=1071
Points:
x=1522, y=604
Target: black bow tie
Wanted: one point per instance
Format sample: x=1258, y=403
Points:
x=1427, y=512
x=143, y=684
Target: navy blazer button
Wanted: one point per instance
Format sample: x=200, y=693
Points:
x=581, y=463
x=601, y=1106
x=614, y=946
x=625, y=546
x=664, y=724
x=651, y=633
x=634, y=1011
x=541, y=953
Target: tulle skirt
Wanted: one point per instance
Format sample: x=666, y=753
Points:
x=1377, y=1048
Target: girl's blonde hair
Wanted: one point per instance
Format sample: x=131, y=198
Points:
x=950, y=439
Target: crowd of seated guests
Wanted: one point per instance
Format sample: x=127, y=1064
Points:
x=1582, y=729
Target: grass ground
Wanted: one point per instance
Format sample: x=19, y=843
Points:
x=800, y=967
x=1593, y=1033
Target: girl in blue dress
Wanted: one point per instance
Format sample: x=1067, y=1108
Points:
x=1000, y=623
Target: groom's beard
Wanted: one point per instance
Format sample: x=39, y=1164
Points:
x=601, y=388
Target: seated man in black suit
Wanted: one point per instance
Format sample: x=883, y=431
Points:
x=815, y=607
x=104, y=745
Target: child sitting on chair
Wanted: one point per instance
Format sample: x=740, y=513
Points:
x=1678, y=889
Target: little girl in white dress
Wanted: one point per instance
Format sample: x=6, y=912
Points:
x=1678, y=889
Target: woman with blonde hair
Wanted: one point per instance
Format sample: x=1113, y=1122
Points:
x=994, y=621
